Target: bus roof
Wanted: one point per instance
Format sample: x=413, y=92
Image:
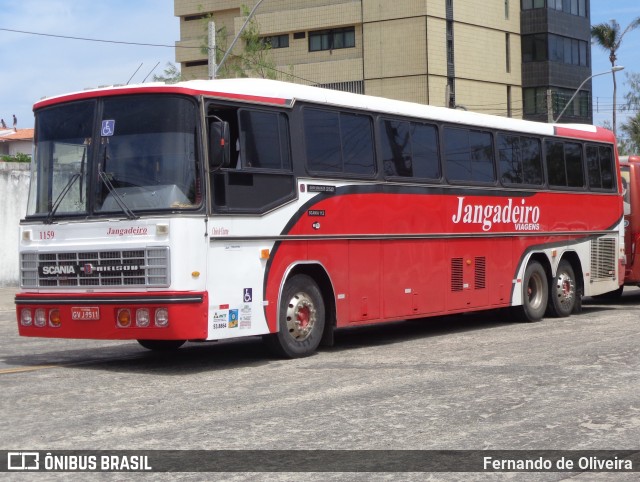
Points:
x=286, y=94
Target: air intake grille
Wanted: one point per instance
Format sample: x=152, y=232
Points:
x=457, y=281
x=126, y=268
x=480, y=273
x=603, y=259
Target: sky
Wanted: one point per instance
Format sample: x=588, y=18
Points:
x=35, y=66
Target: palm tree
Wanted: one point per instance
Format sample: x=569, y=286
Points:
x=609, y=36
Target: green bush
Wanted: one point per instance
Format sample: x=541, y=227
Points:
x=19, y=157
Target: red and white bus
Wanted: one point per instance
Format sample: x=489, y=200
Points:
x=208, y=210
x=630, y=173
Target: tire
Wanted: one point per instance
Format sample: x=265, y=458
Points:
x=301, y=319
x=535, y=293
x=162, y=345
x=562, y=291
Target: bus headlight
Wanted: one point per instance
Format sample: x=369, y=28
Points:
x=162, y=317
x=142, y=317
x=26, y=318
x=40, y=318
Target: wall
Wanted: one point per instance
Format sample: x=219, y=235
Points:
x=14, y=190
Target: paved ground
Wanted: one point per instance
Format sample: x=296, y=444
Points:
x=470, y=382
x=7, y=298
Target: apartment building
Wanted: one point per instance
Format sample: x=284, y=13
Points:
x=462, y=54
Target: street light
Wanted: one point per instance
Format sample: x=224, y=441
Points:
x=616, y=68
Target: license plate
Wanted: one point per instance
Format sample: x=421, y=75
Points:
x=85, y=313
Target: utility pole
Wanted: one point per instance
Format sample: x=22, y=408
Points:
x=213, y=68
x=549, y=106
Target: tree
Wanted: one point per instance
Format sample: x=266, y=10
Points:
x=254, y=59
x=171, y=75
x=609, y=36
x=631, y=128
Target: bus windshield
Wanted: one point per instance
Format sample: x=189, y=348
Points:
x=140, y=155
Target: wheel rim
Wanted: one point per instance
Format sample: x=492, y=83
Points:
x=301, y=316
x=565, y=289
x=535, y=291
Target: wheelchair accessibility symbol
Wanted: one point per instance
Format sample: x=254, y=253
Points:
x=108, y=128
x=248, y=295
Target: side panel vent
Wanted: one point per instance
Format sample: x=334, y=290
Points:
x=603, y=259
x=481, y=273
x=457, y=283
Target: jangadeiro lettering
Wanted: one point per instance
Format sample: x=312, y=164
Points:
x=522, y=216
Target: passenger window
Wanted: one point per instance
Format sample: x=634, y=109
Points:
x=600, y=167
x=264, y=140
x=520, y=160
x=338, y=142
x=409, y=149
x=564, y=164
x=468, y=155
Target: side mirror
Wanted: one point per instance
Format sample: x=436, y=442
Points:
x=219, y=144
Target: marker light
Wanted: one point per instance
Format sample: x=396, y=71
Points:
x=41, y=318
x=25, y=317
x=162, y=317
x=124, y=318
x=142, y=317
x=54, y=318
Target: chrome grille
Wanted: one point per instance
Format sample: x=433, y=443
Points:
x=113, y=268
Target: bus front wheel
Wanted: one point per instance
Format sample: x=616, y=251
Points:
x=301, y=319
x=535, y=292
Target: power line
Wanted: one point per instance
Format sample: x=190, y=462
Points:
x=86, y=39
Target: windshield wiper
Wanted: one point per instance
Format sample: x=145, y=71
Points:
x=119, y=201
x=58, y=201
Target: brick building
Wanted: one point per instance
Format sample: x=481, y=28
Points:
x=457, y=53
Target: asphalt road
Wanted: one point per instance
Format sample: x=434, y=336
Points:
x=475, y=382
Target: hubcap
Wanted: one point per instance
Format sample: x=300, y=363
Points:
x=301, y=316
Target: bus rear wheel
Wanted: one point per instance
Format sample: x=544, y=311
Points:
x=162, y=345
x=562, y=293
x=535, y=292
x=301, y=319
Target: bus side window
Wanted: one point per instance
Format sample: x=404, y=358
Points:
x=264, y=140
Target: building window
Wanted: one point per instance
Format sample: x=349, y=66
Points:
x=507, y=45
x=276, y=41
x=543, y=47
x=506, y=9
x=338, y=38
x=572, y=7
x=531, y=4
x=196, y=63
x=535, y=100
